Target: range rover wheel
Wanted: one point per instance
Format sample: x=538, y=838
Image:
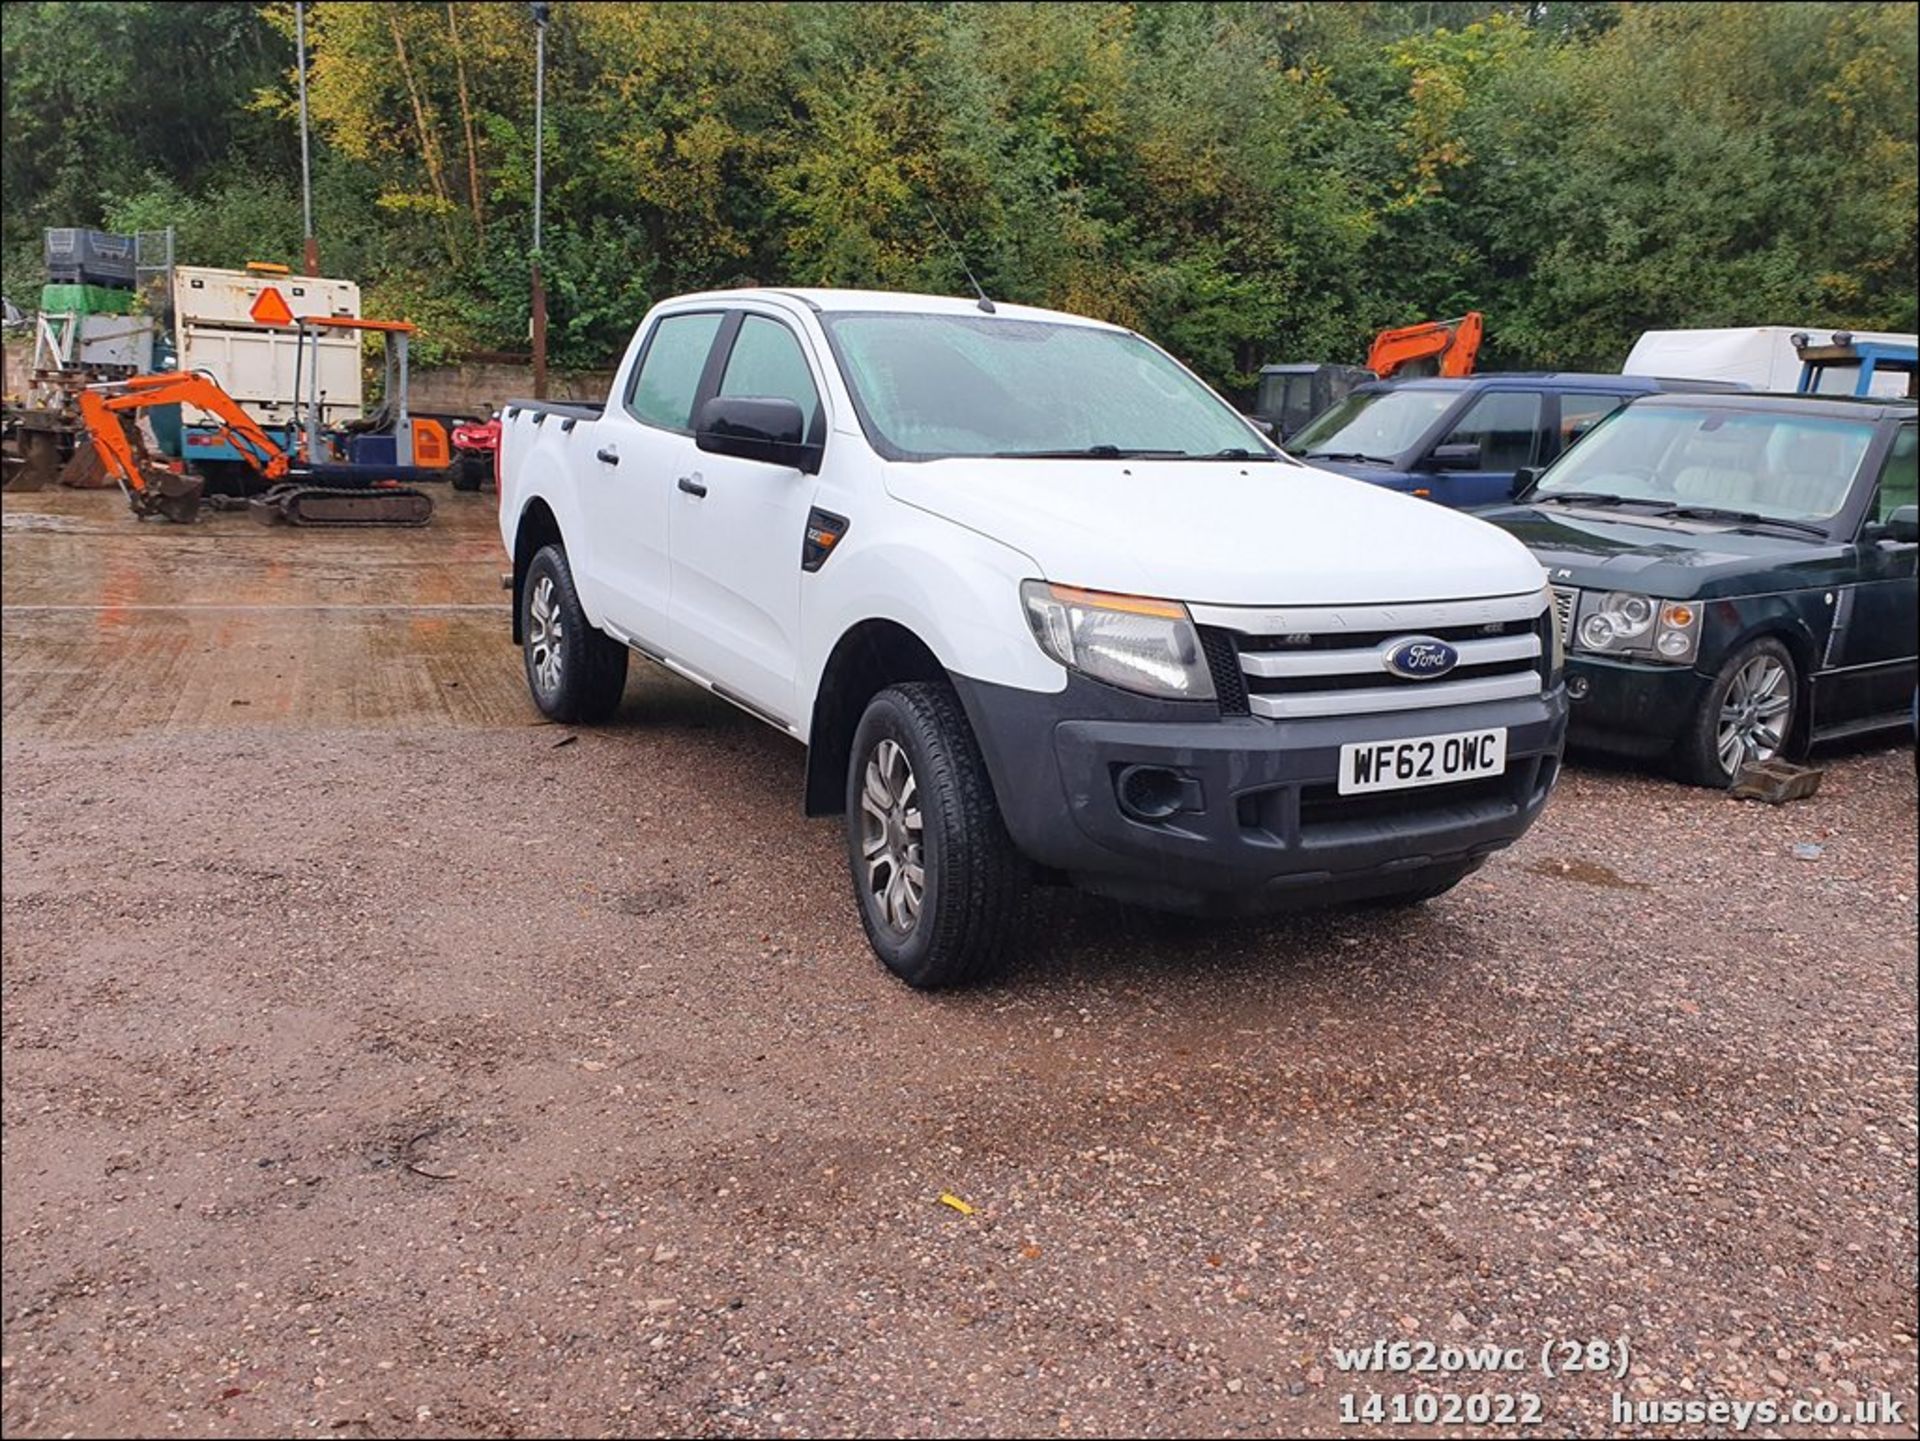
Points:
x=937, y=879
x=575, y=672
x=1747, y=716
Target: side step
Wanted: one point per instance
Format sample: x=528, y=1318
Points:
x=317, y=505
x=1866, y=725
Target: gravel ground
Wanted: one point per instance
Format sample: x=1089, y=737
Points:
x=373, y=1079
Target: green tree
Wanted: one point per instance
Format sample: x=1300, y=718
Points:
x=1243, y=181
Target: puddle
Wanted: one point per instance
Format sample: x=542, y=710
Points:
x=650, y=900
x=1588, y=873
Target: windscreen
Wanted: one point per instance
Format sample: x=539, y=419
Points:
x=937, y=386
x=1378, y=425
x=1784, y=467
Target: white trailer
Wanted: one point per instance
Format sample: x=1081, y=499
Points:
x=219, y=327
x=1762, y=356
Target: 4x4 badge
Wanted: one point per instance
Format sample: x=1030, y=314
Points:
x=823, y=533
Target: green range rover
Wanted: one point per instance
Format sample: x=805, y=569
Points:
x=1734, y=575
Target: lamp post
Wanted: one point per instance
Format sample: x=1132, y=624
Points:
x=541, y=12
x=310, y=253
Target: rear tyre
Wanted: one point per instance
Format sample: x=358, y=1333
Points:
x=1747, y=716
x=939, y=884
x=575, y=672
x=464, y=474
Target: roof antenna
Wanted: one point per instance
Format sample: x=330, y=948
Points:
x=959, y=255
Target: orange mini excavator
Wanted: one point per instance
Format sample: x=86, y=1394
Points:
x=1438, y=347
x=151, y=487
x=353, y=474
x=1291, y=395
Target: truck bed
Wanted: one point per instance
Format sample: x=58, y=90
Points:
x=539, y=410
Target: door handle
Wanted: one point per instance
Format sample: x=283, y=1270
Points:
x=607, y=456
x=692, y=487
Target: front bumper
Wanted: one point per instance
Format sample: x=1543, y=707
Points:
x=1628, y=707
x=1264, y=827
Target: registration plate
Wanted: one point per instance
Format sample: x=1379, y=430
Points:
x=1421, y=761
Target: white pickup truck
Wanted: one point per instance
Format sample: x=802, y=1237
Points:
x=1040, y=605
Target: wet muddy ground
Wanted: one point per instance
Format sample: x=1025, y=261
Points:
x=377, y=1064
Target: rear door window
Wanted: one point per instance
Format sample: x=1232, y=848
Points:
x=1505, y=424
x=1580, y=411
x=1899, y=479
x=669, y=374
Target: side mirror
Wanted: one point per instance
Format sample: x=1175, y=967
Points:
x=752, y=427
x=1455, y=457
x=1904, y=524
x=1269, y=428
x=1523, y=480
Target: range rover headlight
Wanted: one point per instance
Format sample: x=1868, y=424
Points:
x=1626, y=623
x=1679, y=634
x=1138, y=644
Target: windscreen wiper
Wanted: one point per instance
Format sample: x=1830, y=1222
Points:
x=1087, y=452
x=1578, y=497
x=1344, y=455
x=1743, y=518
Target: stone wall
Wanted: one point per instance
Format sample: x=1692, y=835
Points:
x=480, y=387
x=476, y=387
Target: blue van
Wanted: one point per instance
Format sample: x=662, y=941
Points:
x=1461, y=441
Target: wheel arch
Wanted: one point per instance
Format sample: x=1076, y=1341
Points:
x=868, y=657
x=1806, y=661
x=538, y=527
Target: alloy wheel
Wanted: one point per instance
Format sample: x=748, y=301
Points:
x=545, y=633
x=1754, y=714
x=890, y=836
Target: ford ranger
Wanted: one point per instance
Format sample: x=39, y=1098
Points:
x=1040, y=605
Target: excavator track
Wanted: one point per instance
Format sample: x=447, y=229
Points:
x=319, y=505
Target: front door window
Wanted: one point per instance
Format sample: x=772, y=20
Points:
x=1505, y=424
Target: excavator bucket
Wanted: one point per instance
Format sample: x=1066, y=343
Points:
x=169, y=495
x=85, y=471
x=37, y=464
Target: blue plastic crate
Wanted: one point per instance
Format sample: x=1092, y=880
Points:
x=90, y=257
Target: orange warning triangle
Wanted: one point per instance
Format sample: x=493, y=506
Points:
x=270, y=308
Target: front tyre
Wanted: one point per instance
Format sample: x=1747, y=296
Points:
x=1747, y=716
x=938, y=881
x=575, y=672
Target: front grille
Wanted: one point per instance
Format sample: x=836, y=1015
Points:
x=1353, y=640
x=1319, y=817
x=1323, y=807
x=1563, y=598
x=1294, y=663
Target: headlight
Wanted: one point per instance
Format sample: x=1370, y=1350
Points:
x=1149, y=646
x=1679, y=634
x=1622, y=622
